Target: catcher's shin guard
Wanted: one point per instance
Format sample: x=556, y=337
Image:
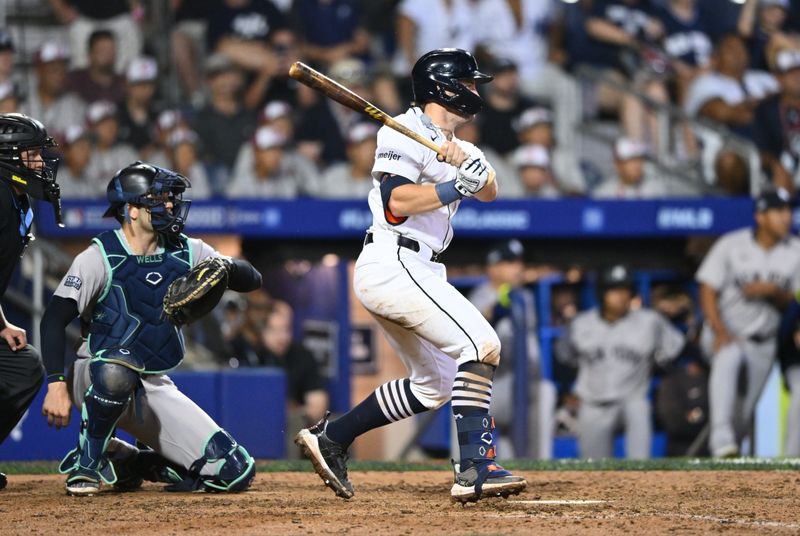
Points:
x=477, y=475
x=235, y=473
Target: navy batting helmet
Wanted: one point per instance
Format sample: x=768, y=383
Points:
x=437, y=76
x=151, y=187
x=617, y=276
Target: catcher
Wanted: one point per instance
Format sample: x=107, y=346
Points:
x=131, y=324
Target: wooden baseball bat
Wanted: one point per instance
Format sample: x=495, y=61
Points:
x=336, y=91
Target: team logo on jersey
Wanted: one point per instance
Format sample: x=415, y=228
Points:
x=154, y=278
x=73, y=281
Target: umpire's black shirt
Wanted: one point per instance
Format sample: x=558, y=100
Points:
x=11, y=243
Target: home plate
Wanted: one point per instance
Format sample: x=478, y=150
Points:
x=575, y=501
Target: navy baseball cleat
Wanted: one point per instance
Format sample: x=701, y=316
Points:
x=3, y=481
x=328, y=457
x=484, y=478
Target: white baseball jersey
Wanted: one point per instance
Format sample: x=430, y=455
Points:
x=736, y=260
x=615, y=359
x=399, y=155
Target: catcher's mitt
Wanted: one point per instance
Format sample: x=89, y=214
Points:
x=193, y=295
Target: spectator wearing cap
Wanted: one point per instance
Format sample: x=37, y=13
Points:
x=534, y=126
x=108, y=155
x=505, y=270
x=776, y=128
x=330, y=30
x=534, y=173
x=183, y=159
x=9, y=102
x=272, y=82
x=631, y=182
x=275, y=172
x=50, y=101
x=615, y=347
x=763, y=24
x=83, y=17
x=351, y=179
x=74, y=175
x=278, y=115
x=6, y=55
x=137, y=115
x=323, y=126
x=223, y=124
x=503, y=103
x=99, y=81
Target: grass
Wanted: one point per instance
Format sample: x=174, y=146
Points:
x=661, y=464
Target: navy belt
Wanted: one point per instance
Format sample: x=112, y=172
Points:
x=403, y=242
x=760, y=338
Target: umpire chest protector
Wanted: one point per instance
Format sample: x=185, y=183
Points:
x=129, y=311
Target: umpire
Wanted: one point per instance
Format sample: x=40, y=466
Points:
x=24, y=173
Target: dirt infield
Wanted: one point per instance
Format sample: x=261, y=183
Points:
x=557, y=502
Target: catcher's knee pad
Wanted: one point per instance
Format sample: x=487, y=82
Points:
x=113, y=380
x=235, y=471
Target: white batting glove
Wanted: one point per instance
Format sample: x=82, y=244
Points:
x=473, y=174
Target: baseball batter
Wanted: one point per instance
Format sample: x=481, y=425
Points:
x=449, y=349
x=746, y=280
x=615, y=348
x=116, y=287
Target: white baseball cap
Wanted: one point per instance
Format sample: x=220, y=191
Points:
x=75, y=133
x=52, y=51
x=182, y=135
x=787, y=60
x=7, y=90
x=275, y=110
x=141, y=69
x=532, y=117
x=531, y=155
x=268, y=137
x=361, y=132
x=628, y=149
x=99, y=110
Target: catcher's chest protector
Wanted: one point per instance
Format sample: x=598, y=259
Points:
x=128, y=313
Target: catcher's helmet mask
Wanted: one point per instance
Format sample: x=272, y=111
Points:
x=21, y=136
x=150, y=187
x=438, y=76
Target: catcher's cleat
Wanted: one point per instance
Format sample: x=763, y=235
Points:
x=328, y=457
x=484, y=478
x=3, y=481
x=83, y=482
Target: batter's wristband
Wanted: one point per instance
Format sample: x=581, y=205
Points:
x=56, y=377
x=447, y=192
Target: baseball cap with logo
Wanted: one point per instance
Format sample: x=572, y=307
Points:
x=773, y=198
x=787, y=60
x=361, y=132
x=531, y=155
x=99, y=110
x=52, y=51
x=510, y=250
x=532, y=117
x=141, y=70
x=268, y=138
x=628, y=149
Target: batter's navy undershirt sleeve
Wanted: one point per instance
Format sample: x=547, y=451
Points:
x=243, y=277
x=59, y=313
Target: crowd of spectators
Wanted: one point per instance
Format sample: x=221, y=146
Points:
x=219, y=106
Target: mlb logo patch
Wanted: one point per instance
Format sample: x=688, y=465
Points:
x=73, y=281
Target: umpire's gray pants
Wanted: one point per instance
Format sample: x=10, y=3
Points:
x=598, y=423
x=731, y=413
